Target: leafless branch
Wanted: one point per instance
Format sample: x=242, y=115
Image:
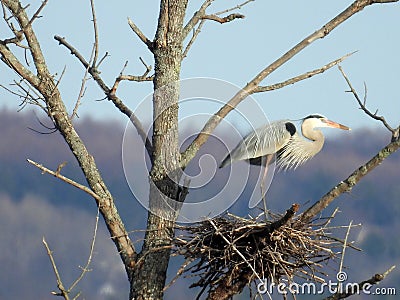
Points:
x=249, y=89
x=75, y=52
x=14, y=40
x=223, y=20
x=34, y=48
x=83, y=85
x=96, y=34
x=86, y=269
x=344, y=247
x=36, y=14
x=65, y=179
x=140, y=35
x=302, y=76
x=102, y=59
x=50, y=129
x=26, y=94
x=18, y=34
x=373, y=280
x=63, y=292
x=59, y=79
x=111, y=96
x=181, y=270
x=394, y=131
x=200, y=15
x=351, y=181
x=13, y=63
x=193, y=38
x=140, y=78
x=239, y=6
x=196, y=18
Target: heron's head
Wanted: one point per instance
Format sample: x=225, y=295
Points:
x=320, y=121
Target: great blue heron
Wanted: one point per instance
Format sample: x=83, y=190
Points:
x=280, y=138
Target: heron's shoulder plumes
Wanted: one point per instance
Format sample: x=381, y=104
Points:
x=299, y=149
x=292, y=154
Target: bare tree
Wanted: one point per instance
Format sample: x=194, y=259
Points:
x=146, y=268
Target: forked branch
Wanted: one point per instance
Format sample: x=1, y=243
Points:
x=193, y=38
x=394, y=131
x=64, y=292
x=301, y=77
x=36, y=15
x=108, y=92
x=63, y=178
x=196, y=18
x=143, y=77
x=86, y=269
x=200, y=16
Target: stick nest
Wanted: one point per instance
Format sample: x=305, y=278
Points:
x=231, y=252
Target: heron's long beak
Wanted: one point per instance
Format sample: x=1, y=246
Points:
x=336, y=125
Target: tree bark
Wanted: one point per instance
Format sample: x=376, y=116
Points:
x=150, y=273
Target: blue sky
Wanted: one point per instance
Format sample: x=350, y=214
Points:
x=235, y=53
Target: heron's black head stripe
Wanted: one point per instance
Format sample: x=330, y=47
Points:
x=314, y=116
x=291, y=128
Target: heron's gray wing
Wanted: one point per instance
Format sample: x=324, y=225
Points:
x=263, y=141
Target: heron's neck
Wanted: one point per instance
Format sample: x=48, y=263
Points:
x=316, y=137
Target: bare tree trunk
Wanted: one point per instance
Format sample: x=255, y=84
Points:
x=149, y=278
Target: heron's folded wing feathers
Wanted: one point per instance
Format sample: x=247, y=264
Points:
x=263, y=141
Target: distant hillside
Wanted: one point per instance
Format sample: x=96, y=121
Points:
x=34, y=205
